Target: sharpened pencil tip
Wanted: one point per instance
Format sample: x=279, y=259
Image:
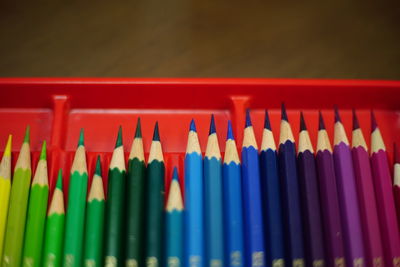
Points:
x=43, y=154
x=81, y=141
x=59, y=180
x=248, y=118
x=192, y=126
x=212, y=125
x=118, y=143
x=7, y=150
x=267, y=122
x=175, y=174
x=337, y=116
x=27, y=134
x=138, y=132
x=303, y=126
x=284, y=114
x=374, y=125
x=321, y=125
x=356, y=124
x=98, y=166
x=156, y=134
x=230, y=131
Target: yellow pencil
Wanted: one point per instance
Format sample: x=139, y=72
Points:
x=5, y=186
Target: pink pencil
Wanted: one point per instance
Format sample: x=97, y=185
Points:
x=384, y=197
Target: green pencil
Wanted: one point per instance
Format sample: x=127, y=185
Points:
x=53, y=237
x=94, y=221
x=115, y=206
x=37, y=208
x=17, y=208
x=75, y=217
x=134, y=201
x=155, y=203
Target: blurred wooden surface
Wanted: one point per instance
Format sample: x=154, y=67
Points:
x=183, y=38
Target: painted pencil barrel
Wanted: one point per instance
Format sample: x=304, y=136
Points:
x=5, y=187
x=53, y=240
x=174, y=238
x=194, y=211
x=94, y=233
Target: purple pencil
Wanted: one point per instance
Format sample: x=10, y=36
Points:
x=384, y=197
x=329, y=199
x=348, y=201
x=366, y=197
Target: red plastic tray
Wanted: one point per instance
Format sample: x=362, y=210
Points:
x=57, y=108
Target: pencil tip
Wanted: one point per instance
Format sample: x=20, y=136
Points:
x=138, y=132
x=321, y=122
x=98, y=166
x=156, y=134
x=230, y=131
x=248, y=119
x=337, y=116
x=356, y=124
x=59, y=180
x=396, y=153
x=267, y=123
x=43, y=154
x=192, y=126
x=118, y=143
x=27, y=134
x=7, y=150
x=212, y=125
x=284, y=114
x=175, y=174
x=81, y=141
x=374, y=125
x=303, y=126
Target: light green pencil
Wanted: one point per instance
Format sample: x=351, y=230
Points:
x=37, y=208
x=75, y=217
x=17, y=209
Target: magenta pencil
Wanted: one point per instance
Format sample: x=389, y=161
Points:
x=366, y=197
x=348, y=201
x=384, y=197
x=396, y=181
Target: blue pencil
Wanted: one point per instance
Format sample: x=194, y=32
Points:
x=254, y=233
x=194, y=214
x=213, y=201
x=174, y=224
x=271, y=197
x=291, y=194
x=233, y=214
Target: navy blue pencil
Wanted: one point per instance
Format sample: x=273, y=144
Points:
x=291, y=194
x=254, y=232
x=271, y=188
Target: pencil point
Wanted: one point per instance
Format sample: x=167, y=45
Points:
x=59, y=180
x=138, y=132
x=374, y=125
x=156, y=134
x=303, y=126
x=192, y=126
x=81, y=138
x=212, y=125
x=98, y=166
x=7, y=150
x=230, y=131
x=356, y=124
x=321, y=122
x=119, y=138
x=284, y=114
x=27, y=134
x=175, y=174
x=337, y=116
x=248, y=119
x=267, y=123
x=43, y=154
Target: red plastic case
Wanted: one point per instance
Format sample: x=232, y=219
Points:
x=56, y=109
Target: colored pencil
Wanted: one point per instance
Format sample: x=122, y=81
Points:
x=310, y=198
x=213, y=201
x=54, y=234
x=291, y=194
x=329, y=199
x=155, y=203
x=366, y=197
x=194, y=201
x=75, y=217
x=32, y=252
x=19, y=196
x=5, y=187
x=93, y=246
x=346, y=184
x=272, y=199
x=135, y=201
x=115, y=206
x=233, y=213
x=174, y=224
x=384, y=197
x=396, y=181
x=252, y=200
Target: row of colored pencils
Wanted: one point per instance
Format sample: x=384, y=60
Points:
x=275, y=207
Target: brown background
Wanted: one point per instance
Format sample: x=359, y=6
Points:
x=183, y=38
